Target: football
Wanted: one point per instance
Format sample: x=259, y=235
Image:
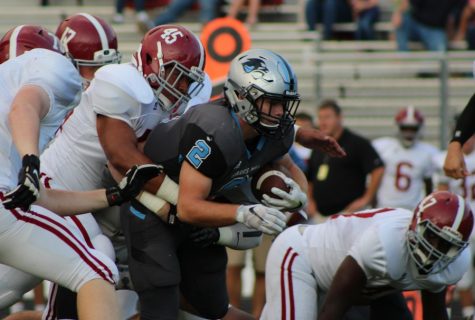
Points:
x=267, y=178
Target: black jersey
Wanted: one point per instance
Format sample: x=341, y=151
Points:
x=209, y=137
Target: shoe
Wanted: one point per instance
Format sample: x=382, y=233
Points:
x=118, y=19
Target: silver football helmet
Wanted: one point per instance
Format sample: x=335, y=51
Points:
x=256, y=75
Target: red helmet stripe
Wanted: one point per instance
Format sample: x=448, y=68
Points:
x=99, y=29
x=460, y=213
x=13, y=41
x=411, y=114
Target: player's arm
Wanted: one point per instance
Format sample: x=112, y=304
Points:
x=454, y=165
x=344, y=291
x=194, y=208
x=433, y=305
x=314, y=139
x=76, y=202
x=29, y=106
x=120, y=145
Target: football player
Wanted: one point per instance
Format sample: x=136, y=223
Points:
x=454, y=165
x=90, y=42
x=212, y=151
x=408, y=161
x=355, y=258
x=39, y=88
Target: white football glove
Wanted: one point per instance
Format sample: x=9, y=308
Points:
x=295, y=199
x=262, y=218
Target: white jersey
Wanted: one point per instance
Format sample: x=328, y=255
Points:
x=117, y=91
x=376, y=239
x=402, y=185
x=57, y=76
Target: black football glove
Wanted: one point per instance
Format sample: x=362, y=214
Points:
x=132, y=183
x=28, y=188
x=204, y=237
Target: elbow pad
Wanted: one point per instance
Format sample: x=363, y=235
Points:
x=239, y=237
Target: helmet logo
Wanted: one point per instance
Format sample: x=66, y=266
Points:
x=257, y=68
x=67, y=36
x=171, y=35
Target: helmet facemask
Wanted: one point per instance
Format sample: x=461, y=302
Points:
x=432, y=248
x=167, y=85
x=101, y=58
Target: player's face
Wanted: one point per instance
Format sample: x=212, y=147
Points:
x=271, y=111
x=329, y=122
x=175, y=79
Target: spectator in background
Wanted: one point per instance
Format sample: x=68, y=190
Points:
x=176, y=8
x=366, y=13
x=252, y=12
x=347, y=175
x=328, y=12
x=423, y=20
x=466, y=30
x=408, y=161
x=139, y=6
x=299, y=153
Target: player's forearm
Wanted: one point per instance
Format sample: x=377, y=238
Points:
x=206, y=213
x=465, y=127
x=66, y=203
x=29, y=106
x=24, y=126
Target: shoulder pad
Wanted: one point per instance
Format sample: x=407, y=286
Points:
x=128, y=79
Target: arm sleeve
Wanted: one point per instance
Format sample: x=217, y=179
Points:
x=201, y=150
x=465, y=126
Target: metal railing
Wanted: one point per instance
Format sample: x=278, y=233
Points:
x=384, y=67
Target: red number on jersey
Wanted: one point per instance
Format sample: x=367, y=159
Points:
x=403, y=180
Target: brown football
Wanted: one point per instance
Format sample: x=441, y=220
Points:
x=266, y=179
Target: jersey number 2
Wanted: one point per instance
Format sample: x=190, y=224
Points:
x=198, y=153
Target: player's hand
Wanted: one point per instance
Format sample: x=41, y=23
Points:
x=295, y=199
x=132, y=183
x=315, y=139
x=28, y=188
x=204, y=237
x=262, y=218
x=454, y=165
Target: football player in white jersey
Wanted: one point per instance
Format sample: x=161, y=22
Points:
x=38, y=89
x=408, y=161
x=320, y=271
